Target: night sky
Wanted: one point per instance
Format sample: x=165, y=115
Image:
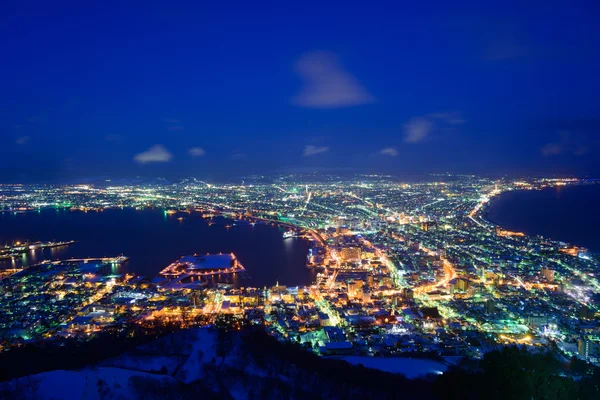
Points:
x=222, y=89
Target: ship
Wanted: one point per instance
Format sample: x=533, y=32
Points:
x=289, y=234
x=19, y=248
x=45, y=245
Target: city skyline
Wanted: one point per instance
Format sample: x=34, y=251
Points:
x=420, y=279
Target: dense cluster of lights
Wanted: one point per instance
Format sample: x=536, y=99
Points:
x=403, y=267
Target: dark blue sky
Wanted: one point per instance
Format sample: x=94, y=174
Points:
x=157, y=89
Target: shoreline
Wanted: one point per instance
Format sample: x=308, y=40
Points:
x=486, y=210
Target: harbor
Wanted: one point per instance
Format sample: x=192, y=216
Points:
x=15, y=250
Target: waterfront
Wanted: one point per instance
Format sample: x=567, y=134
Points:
x=152, y=240
x=569, y=214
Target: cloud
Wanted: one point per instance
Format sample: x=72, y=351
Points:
x=156, y=153
x=327, y=84
x=22, y=140
x=417, y=129
x=197, y=151
x=551, y=149
x=238, y=153
x=238, y=156
x=389, y=151
x=310, y=150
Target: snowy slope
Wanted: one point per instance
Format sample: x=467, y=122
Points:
x=92, y=384
x=195, y=359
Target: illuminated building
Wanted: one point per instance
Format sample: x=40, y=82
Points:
x=458, y=285
x=586, y=348
x=354, y=288
x=188, y=271
x=548, y=274
x=537, y=319
x=366, y=295
x=474, y=290
x=573, y=251
x=351, y=254
x=407, y=294
x=324, y=320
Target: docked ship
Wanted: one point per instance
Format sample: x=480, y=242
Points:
x=17, y=249
x=45, y=245
x=289, y=234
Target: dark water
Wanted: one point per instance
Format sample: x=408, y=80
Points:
x=153, y=240
x=569, y=214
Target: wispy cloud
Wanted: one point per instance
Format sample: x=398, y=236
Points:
x=238, y=156
x=551, y=149
x=197, y=151
x=156, y=153
x=389, y=151
x=22, y=140
x=417, y=129
x=310, y=150
x=327, y=84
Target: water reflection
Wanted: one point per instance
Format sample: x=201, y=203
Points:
x=152, y=239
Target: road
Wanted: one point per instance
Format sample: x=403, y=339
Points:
x=449, y=274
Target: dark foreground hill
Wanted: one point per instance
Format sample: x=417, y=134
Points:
x=248, y=364
x=209, y=363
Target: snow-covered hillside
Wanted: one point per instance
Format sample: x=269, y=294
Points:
x=194, y=363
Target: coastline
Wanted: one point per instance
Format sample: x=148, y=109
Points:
x=516, y=201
